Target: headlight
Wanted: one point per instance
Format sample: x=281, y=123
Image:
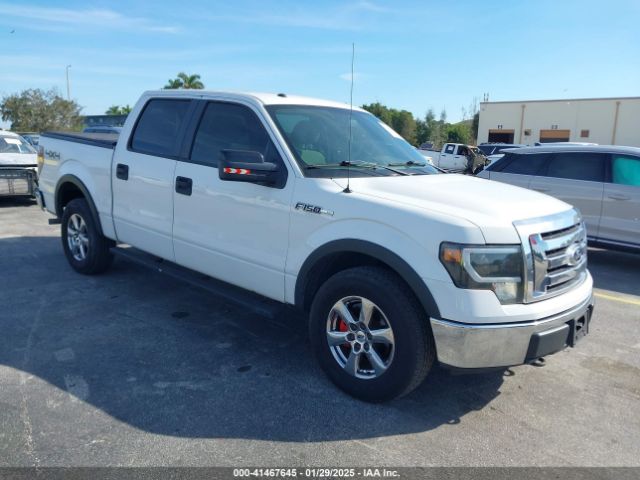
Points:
x=496, y=268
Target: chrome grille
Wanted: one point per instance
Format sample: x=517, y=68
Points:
x=555, y=251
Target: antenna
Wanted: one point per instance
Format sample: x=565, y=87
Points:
x=353, y=55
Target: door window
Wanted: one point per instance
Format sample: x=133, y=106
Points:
x=229, y=126
x=449, y=149
x=577, y=166
x=523, y=164
x=625, y=170
x=158, y=131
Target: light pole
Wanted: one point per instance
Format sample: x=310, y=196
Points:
x=68, y=94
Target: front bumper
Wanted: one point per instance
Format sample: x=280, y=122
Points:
x=470, y=346
x=17, y=181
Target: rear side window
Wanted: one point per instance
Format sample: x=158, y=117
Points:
x=577, y=166
x=523, y=164
x=449, y=149
x=229, y=126
x=159, y=127
x=625, y=170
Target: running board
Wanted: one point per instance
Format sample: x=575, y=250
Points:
x=258, y=304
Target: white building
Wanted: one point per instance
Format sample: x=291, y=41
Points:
x=606, y=121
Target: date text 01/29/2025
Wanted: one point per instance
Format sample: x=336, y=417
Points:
x=316, y=472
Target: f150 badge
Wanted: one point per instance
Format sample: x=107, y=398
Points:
x=305, y=207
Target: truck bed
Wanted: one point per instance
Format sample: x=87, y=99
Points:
x=104, y=140
x=86, y=157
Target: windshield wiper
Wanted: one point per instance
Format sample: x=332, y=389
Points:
x=410, y=163
x=358, y=164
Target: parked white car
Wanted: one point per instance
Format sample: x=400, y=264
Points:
x=18, y=175
x=308, y=203
x=603, y=182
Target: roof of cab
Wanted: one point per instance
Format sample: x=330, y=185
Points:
x=574, y=148
x=263, y=98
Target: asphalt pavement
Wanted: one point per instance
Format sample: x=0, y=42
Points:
x=136, y=368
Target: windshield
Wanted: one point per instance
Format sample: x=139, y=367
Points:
x=15, y=145
x=319, y=139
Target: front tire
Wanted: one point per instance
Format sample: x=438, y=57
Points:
x=87, y=251
x=370, y=335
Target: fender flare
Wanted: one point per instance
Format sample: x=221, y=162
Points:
x=386, y=256
x=68, y=178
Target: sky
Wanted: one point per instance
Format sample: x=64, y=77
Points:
x=411, y=55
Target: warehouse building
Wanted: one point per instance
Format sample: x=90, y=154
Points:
x=606, y=121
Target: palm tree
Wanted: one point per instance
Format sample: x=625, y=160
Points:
x=118, y=110
x=191, y=81
x=185, y=81
x=175, y=83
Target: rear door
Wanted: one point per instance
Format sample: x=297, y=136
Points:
x=621, y=203
x=234, y=231
x=143, y=173
x=517, y=169
x=578, y=179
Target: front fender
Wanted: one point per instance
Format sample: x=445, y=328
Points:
x=362, y=236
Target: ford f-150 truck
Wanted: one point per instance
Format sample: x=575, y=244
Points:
x=315, y=204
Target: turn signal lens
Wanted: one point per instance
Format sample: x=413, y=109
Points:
x=451, y=255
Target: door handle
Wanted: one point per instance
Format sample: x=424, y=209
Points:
x=540, y=189
x=122, y=171
x=184, y=185
x=615, y=196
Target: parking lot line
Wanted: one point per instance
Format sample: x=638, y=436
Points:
x=618, y=298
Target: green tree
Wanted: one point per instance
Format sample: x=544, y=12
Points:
x=427, y=129
x=185, y=81
x=118, y=110
x=380, y=111
x=403, y=122
x=458, y=132
x=475, y=123
x=173, y=84
x=36, y=110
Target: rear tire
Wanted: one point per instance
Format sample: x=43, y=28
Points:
x=87, y=251
x=394, y=355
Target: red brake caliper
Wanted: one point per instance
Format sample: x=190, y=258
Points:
x=342, y=327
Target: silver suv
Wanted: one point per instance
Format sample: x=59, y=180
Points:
x=603, y=182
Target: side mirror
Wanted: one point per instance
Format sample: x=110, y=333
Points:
x=249, y=166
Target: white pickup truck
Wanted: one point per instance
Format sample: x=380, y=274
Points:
x=17, y=166
x=311, y=204
x=457, y=157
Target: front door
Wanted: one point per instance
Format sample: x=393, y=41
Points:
x=578, y=179
x=621, y=203
x=143, y=173
x=234, y=231
x=518, y=169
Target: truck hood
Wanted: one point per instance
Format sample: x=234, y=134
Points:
x=11, y=159
x=491, y=206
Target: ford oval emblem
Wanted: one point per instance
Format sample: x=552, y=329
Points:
x=574, y=254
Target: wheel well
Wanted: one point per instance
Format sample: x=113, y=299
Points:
x=341, y=254
x=66, y=192
x=331, y=264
